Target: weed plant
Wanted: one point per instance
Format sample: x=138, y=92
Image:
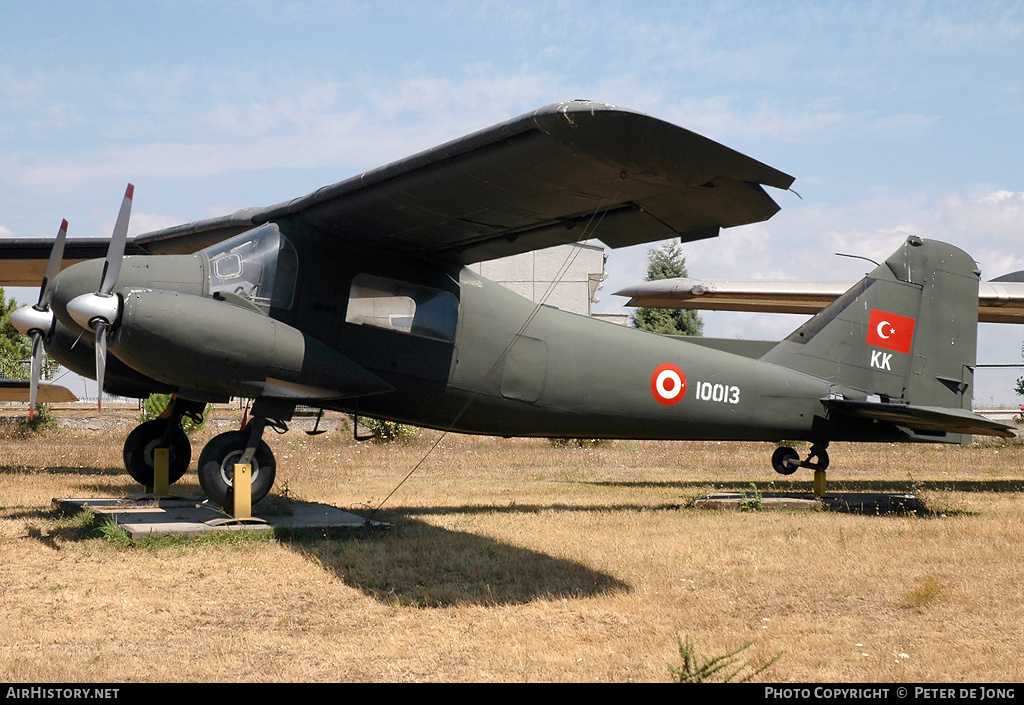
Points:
x=751, y=501
x=726, y=668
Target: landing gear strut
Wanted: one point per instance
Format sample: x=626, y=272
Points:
x=219, y=457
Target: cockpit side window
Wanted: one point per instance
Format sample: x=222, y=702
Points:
x=259, y=265
x=403, y=307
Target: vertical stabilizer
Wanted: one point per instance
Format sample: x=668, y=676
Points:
x=906, y=333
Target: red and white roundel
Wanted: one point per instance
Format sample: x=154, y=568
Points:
x=668, y=384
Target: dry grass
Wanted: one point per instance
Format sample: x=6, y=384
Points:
x=512, y=560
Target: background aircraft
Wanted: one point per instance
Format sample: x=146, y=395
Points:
x=356, y=297
x=999, y=301
x=19, y=390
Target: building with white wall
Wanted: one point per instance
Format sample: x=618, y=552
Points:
x=566, y=277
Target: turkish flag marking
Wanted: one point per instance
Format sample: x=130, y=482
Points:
x=890, y=331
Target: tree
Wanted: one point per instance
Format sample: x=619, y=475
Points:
x=667, y=262
x=154, y=406
x=14, y=347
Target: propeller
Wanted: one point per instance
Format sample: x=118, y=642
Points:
x=36, y=321
x=100, y=310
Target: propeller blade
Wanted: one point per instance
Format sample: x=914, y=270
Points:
x=52, y=267
x=100, y=327
x=100, y=310
x=37, y=363
x=112, y=265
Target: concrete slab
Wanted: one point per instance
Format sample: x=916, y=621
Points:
x=871, y=503
x=189, y=516
x=849, y=502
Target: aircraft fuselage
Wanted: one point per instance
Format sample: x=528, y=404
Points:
x=434, y=346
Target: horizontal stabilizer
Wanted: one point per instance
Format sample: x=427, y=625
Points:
x=922, y=419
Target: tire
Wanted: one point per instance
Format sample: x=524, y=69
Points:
x=139, y=447
x=781, y=459
x=217, y=468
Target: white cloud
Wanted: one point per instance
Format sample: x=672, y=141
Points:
x=742, y=252
x=989, y=221
x=146, y=222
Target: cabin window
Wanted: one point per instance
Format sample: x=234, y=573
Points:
x=403, y=307
x=259, y=265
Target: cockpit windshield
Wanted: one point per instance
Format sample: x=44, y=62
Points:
x=259, y=265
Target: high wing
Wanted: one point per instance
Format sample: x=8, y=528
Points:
x=560, y=174
x=999, y=301
x=23, y=259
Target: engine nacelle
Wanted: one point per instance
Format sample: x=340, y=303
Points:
x=210, y=346
x=75, y=351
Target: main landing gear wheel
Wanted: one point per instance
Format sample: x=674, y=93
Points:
x=144, y=439
x=785, y=460
x=217, y=467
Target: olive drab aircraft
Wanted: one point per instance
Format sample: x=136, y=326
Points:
x=357, y=298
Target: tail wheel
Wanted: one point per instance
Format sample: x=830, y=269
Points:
x=785, y=460
x=147, y=437
x=217, y=467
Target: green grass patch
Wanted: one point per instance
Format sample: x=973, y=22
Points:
x=115, y=535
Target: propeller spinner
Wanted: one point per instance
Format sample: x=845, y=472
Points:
x=99, y=311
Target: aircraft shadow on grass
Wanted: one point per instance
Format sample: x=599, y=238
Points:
x=415, y=563
x=418, y=564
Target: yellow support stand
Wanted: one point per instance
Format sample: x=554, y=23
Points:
x=241, y=500
x=161, y=471
x=819, y=483
x=243, y=491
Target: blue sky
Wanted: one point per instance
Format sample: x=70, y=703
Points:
x=895, y=118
